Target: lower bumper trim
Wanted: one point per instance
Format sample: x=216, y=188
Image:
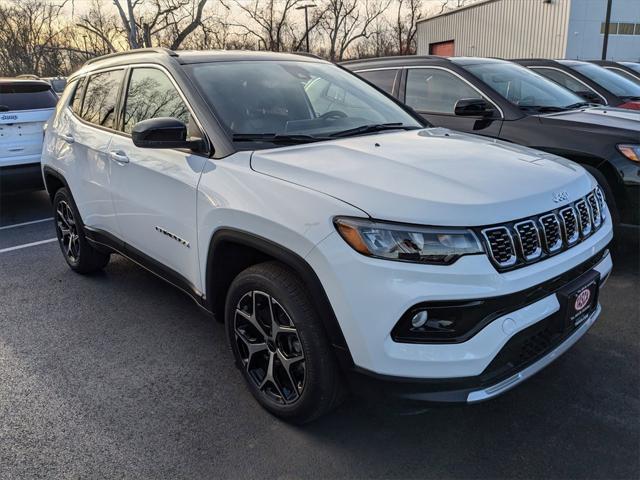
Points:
x=507, y=384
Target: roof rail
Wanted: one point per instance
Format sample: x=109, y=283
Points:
x=133, y=51
x=308, y=54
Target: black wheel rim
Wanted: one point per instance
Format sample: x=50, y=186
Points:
x=67, y=231
x=269, y=347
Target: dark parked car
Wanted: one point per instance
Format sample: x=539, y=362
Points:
x=622, y=69
x=592, y=82
x=504, y=100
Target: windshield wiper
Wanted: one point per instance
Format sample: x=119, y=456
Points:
x=372, y=128
x=633, y=98
x=542, y=108
x=277, y=138
x=573, y=106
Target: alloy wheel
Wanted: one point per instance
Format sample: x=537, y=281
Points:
x=68, y=231
x=269, y=347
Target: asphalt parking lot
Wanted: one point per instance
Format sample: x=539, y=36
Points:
x=119, y=375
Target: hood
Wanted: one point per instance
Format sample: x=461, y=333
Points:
x=433, y=176
x=610, y=120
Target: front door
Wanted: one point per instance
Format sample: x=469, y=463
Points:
x=154, y=190
x=433, y=93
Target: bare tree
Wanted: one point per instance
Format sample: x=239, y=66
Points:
x=269, y=22
x=408, y=13
x=30, y=38
x=452, y=4
x=169, y=22
x=346, y=21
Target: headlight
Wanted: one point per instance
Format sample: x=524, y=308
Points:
x=632, y=152
x=408, y=243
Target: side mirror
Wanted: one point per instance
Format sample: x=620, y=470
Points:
x=163, y=132
x=472, y=107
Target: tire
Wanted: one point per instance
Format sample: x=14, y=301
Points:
x=77, y=251
x=299, y=390
x=608, y=193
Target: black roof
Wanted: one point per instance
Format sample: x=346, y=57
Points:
x=22, y=81
x=164, y=55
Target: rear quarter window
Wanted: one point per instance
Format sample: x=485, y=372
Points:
x=26, y=96
x=101, y=98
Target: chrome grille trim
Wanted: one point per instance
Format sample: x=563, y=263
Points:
x=584, y=218
x=529, y=239
x=602, y=202
x=570, y=228
x=522, y=242
x=551, y=228
x=499, y=238
x=594, y=205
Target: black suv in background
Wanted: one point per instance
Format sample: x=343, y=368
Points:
x=501, y=99
x=591, y=82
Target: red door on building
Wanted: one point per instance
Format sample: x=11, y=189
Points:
x=444, y=49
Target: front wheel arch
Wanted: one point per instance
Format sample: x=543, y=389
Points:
x=231, y=251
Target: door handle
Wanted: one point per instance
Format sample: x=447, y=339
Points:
x=119, y=157
x=67, y=138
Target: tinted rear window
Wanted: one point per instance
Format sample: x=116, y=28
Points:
x=25, y=96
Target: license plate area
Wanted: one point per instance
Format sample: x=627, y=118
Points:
x=579, y=299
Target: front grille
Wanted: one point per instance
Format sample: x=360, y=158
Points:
x=502, y=249
x=584, y=216
x=595, y=210
x=529, y=240
x=569, y=225
x=551, y=232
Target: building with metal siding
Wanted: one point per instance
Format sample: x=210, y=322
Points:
x=534, y=28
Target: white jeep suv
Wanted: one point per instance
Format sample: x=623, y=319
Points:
x=342, y=241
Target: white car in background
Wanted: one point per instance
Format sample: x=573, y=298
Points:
x=25, y=106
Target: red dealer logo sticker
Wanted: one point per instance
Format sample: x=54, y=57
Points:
x=582, y=300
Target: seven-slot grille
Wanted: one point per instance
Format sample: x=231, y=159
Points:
x=532, y=239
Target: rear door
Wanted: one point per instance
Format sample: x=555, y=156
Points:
x=154, y=190
x=84, y=134
x=434, y=91
x=24, y=108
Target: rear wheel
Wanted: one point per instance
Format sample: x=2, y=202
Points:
x=77, y=251
x=280, y=345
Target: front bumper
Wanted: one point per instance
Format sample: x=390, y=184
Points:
x=369, y=296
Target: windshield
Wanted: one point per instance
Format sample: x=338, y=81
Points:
x=524, y=88
x=632, y=66
x=289, y=98
x=613, y=82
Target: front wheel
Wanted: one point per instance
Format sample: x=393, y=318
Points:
x=77, y=251
x=280, y=345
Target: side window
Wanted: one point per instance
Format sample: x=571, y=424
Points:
x=437, y=91
x=101, y=98
x=561, y=78
x=151, y=95
x=383, y=79
x=76, y=101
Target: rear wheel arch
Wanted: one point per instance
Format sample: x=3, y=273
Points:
x=231, y=251
x=54, y=181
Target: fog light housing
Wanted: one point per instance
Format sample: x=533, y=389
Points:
x=419, y=319
x=440, y=322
